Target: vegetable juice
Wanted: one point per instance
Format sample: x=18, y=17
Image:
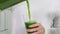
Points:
x=28, y=23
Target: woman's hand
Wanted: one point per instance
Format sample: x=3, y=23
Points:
x=36, y=29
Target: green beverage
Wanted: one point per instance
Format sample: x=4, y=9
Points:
x=28, y=6
x=27, y=24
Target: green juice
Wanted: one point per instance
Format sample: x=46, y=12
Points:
x=28, y=23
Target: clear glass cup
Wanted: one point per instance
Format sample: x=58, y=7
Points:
x=28, y=23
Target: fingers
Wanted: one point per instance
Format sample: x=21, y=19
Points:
x=33, y=30
x=34, y=26
x=36, y=29
x=38, y=32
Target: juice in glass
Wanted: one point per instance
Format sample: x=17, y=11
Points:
x=27, y=24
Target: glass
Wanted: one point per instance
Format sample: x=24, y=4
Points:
x=28, y=23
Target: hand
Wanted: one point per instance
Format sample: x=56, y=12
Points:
x=36, y=29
